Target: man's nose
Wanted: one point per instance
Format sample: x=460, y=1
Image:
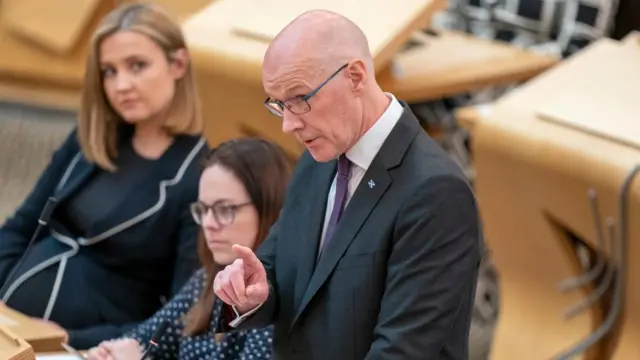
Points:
x=291, y=122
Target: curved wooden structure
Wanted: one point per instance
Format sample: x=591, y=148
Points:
x=12, y=347
x=533, y=177
x=228, y=40
x=228, y=57
x=44, y=45
x=449, y=63
x=40, y=336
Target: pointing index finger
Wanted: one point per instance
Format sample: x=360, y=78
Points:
x=248, y=257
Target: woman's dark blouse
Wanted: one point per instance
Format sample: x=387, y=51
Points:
x=104, y=193
x=116, y=243
x=243, y=345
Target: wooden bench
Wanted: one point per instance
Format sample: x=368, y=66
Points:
x=538, y=152
x=12, y=347
x=44, y=46
x=448, y=63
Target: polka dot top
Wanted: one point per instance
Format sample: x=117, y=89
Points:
x=241, y=345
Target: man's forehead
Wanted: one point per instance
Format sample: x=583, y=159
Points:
x=286, y=81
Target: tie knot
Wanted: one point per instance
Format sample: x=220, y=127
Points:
x=344, y=166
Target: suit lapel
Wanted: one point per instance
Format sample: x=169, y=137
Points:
x=371, y=188
x=310, y=227
x=75, y=175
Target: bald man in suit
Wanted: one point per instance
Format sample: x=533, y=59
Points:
x=376, y=252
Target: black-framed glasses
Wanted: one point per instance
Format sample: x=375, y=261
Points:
x=223, y=212
x=299, y=104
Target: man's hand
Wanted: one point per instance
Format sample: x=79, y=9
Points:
x=242, y=284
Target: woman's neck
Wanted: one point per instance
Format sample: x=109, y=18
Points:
x=150, y=141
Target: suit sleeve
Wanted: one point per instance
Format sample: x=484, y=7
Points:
x=267, y=312
x=432, y=275
x=16, y=232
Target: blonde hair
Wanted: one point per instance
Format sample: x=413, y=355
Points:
x=98, y=123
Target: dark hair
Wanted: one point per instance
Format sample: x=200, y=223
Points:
x=264, y=171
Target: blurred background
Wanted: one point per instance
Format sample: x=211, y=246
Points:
x=535, y=99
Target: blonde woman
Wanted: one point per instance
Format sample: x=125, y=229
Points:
x=119, y=237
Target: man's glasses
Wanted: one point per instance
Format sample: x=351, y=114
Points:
x=224, y=213
x=299, y=104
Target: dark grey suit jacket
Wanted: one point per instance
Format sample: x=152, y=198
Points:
x=398, y=278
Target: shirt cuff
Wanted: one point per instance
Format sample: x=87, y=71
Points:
x=240, y=318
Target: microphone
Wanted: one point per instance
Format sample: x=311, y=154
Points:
x=155, y=339
x=43, y=221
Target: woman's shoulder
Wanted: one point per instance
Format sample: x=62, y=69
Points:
x=198, y=278
x=192, y=289
x=190, y=151
x=71, y=143
x=181, y=163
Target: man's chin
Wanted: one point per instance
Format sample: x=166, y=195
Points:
x=321, y=154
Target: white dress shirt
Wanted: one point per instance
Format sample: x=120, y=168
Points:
x=362, y=154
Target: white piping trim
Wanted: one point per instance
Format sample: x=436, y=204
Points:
x=68, y=171
x=65, y=256
x=56, y=288
x=43, y=265
x=155, y=208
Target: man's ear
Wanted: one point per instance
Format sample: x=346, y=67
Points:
x=357, y=72
x=179, y=63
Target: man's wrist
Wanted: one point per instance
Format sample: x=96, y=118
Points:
x=243, y=310
x=240, y=317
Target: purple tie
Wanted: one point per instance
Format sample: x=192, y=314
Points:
x=342, y=185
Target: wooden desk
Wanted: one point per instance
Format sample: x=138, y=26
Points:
x=450, y=63
x=41, y=337
x=12, y=347
x=532, y=182
x=228, y=63
x=44, y=46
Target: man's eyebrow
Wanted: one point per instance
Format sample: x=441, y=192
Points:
x=298, y=90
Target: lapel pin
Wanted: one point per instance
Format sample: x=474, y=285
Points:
x=371, y=184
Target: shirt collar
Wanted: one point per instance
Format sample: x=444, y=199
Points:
x=366, y=149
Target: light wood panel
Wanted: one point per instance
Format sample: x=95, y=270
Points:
x=44, y=46
x=605, y=83
x=449, y=63
x=12, y=347
x=228, y=63
x=387, y=27
x=41, y=336
x=56, y=25
x=532, y=180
